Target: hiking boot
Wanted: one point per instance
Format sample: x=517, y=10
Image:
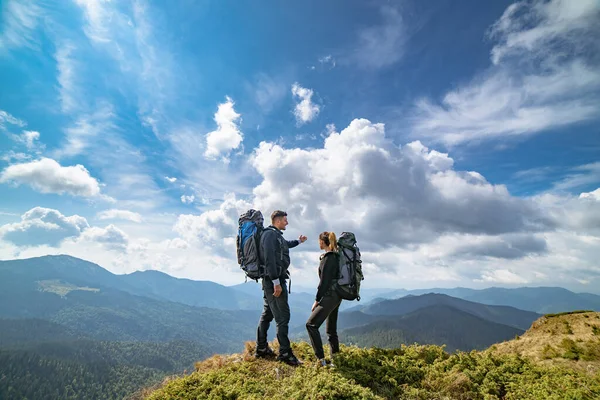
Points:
x=289, y=359
x=264, y=353
x=325, y=364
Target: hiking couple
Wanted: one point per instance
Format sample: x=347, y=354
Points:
x=272, y=251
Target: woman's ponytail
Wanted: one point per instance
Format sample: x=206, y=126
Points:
x=332, y=242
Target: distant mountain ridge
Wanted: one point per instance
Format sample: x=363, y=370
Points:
x=439, y=324
x=153, y=284
x=500, y=314
x=542, y=300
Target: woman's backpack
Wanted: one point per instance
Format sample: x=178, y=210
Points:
x=350, y=273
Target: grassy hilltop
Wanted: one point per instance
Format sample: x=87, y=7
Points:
x=557, y=358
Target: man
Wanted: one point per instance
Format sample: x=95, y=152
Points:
x=275, y=256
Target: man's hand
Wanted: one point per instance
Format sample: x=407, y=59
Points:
x=314, y=306
x=302, y=239
x=277, y=291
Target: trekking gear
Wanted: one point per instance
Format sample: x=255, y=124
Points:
x=350, y=274
x=250, y=227
x=264, y=353
x=289, y=359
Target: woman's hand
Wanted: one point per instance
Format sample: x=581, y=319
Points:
x=314, y=306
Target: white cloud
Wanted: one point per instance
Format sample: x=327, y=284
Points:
x=48, y=176
x=227, y=137
x=594, y=195
x=393, y=195
x=68, y=89
x=89, y=130
x=382, y=45
x=111, y=237
x=98, y=19
x=40, y=226
x=177, y=243
x=13, y=156
x=188, y=199
x=305, y=111
x=532, y=27
x=212, y=226
x=502, y=276
x=19, y=22
x=120, y=214
x=44, y=228
x=328, y=61
x=572, y=213
x=548, y=81
x=29, y=139
x=7, y=118
x=172, y=180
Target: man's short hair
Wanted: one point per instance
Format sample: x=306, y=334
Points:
x=277, y=214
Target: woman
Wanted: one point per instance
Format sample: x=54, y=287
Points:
x=327, y=301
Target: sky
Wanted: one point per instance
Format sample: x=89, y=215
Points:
x=459, y=141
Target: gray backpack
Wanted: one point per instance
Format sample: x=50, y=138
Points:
x=350, y=274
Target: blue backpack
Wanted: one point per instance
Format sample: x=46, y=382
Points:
x=250, y=227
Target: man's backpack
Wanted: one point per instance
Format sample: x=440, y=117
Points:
x=350, y=274
x=250, y=227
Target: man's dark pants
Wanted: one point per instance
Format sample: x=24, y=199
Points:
x=274, y=308
x=326, y=310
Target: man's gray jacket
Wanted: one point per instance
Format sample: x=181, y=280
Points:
x=275, y=254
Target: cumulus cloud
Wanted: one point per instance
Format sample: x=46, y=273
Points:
x=188, y=199
x=542, y=76
x=211, y=225
x=120, y=214
x=305, y=111
x=48, y=176
x=391, y=194
x=594, y=195
x=172, y=180
x=228, y=136
x=111, y=237
x=43, y=226
x=572, y=213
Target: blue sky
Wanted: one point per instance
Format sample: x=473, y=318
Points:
x=459, y=141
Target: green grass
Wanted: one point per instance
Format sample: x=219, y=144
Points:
x=60, y=288
x=410, y=372
x=568, y=313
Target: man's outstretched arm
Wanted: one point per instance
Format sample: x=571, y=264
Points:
x=294, y=243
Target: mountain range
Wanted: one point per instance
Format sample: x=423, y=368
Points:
x=71, y=315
